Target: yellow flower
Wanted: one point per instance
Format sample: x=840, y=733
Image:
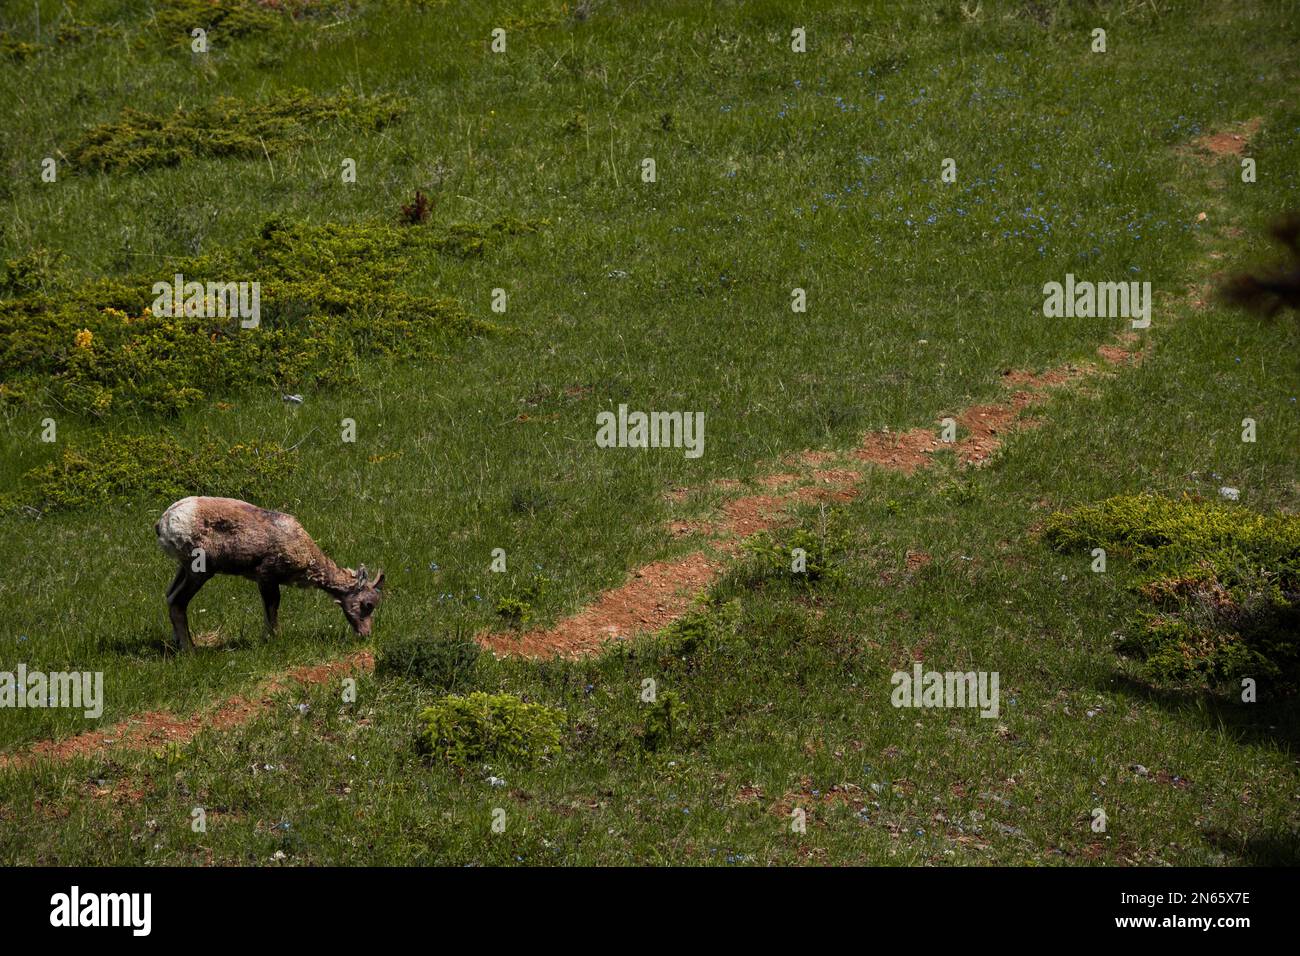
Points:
x=84, y=338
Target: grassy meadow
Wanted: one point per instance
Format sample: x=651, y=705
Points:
x=774, y=171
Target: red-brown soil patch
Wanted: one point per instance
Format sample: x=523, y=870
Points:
x=750, y=515
x=651, y=599
x=681, y=529
x=1041, y=381
x=1115, y=354
x=839, y=477
x=124, y=790
x=155, y=729
x=988, y=424
x=813, y=459
x=837, y=493
x=1231, y=142
x=899, y=451
x=1126, y=349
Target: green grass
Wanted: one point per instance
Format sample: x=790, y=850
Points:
x=775, y=171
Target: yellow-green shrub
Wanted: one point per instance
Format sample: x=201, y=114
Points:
x=1225, y=582
x=119, y=467
x=329, y=294
x=137, y=141
x=478, y=728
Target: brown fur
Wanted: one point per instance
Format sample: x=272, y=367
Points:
x=271, y=548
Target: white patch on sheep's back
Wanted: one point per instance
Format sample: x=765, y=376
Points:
x=176, y=528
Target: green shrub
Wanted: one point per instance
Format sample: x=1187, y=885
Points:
x=328, y=296
x=444, y=661
x=662, y=722
x=478, y=728
x=16, y=50
x=708, y=628
x=1225, y=583
x=124, y=467
x=222, y=19
x=1177, y=538
x=770, y=558
x=517, y=607
x=35, y=271
x=137, y=141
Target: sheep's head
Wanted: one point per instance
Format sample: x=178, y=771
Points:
x=360, y=602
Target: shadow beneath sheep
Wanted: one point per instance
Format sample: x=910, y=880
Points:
x=158, y=644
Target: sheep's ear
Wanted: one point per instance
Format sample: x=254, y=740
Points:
x=379, y=580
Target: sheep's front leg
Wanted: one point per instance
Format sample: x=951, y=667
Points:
x=270, y=604
x=184, y=587
x=182, y=627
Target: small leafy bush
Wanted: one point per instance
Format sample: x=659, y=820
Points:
x=708, y=628
x=663, y=722
x=138, y=141
x=480, y=728
x=227, y=19
x=329, y=295
x=518, y=606
x=702, y=636
x=770, y=558
x=125, y=467
x=34, y=271
x=1224, y=583
x=444, y=661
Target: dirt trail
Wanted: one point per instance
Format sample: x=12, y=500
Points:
x=156, y=729
x=657, y=594
x=652, y=598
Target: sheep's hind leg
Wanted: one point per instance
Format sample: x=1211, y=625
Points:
x=270, y=604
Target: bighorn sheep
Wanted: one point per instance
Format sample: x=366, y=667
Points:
x=209, y=536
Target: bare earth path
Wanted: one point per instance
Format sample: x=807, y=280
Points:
x=658, y=593
x=157, y=729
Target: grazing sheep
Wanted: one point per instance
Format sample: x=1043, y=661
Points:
x=209, y=536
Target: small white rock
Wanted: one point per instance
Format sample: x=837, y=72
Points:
x=1229, y=494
